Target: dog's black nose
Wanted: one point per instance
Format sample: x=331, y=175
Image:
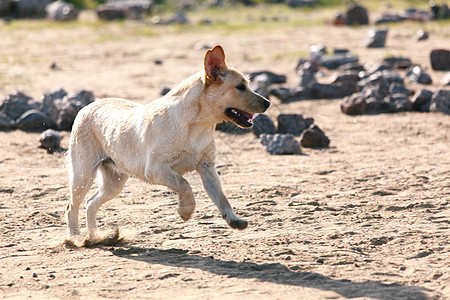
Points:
x=266, y=104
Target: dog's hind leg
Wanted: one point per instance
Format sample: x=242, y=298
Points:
x=81, y=175
x=111, y=183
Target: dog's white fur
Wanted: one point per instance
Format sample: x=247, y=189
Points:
x=159, y=142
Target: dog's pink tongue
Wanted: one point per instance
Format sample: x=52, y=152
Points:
x=247, y=115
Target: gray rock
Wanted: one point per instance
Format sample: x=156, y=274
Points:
x=418, y=75
x=280, y=144
x=163, y=90
x=354, y=104
x=263, y=124
x=440, y=101
x=273, y=78
x=30, y=8
x=314, y=137
x=332, y=91
x=293, y=124
x=5, y=7
x=421, y=35
x=440, y=59
x=69, y=107
x=50, y=140
x=231, y=128
x=15, y=104
x=109, y=12
x=301, y=3
x=34, y=121
x=390, y=18
x=260, y=84
x=287, y=95
x=376, y=38
x=6, y=123
x=397, y=88
x=356, y=15
x=306, y=75
x=61, y=11
x=397, y=62
x=396, y=103
x=334, y=61
x=421, y=101
x=179, y=18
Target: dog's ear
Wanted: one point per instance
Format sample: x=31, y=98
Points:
x=215, y=63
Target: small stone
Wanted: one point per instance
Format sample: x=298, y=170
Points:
x=263, y=124
x=440, y=59
x=421, y=100
x=314, y=137
x=356, y=15
x=440, y=101
x=421, y=35
x=418, y=75
x=50, y=140
x=280, y=144
x=376, y=38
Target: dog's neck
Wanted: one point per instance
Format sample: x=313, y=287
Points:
x=188, y=97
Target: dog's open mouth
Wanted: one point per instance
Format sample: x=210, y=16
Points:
x=239, y=117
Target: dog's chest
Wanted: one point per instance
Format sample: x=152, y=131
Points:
x=191, y=154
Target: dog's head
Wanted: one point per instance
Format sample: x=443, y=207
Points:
x=228, y=91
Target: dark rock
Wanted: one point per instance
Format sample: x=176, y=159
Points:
x=301, y=3
x=69, y=107
x=15, y=104
x=260, y=84
x=314, y=137
x=287, y=95
x=397, y=88
x=421, y=35
x=109, y=12
x=352, y=67
x=306, y=75
x=440, y=101
x=333, y=62
x=356, y=15
x=421, y=101
x=390, y=18
x=396, y=103
x=263, y=124
x=355, y=104
x=163, y=90
x=340, y=51
x=418, y=75
x=415, y=14
x=130, y=9
x=440, y=59
x=293, y=124
x=6, y=123
x=332, y=91
x=280, y=144
x=50, y=140
x=376, y=38
x=231, y=128
x=34, y=121
x=273, y=78
x=29, y=8
x=179, y=18
x=387, y=76
x=397, y=62
x=5, y=8
x=61, y=11
x=318, y=49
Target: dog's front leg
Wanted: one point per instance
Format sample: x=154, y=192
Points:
x=213, y=187
x=164, y=175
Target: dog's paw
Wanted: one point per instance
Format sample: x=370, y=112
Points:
x=238, y=224
x=185, y=212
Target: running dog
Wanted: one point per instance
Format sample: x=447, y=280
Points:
x=113, y=139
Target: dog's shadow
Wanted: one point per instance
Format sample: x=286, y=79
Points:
x=270, y=272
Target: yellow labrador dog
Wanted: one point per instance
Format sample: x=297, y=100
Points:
x=113, y=139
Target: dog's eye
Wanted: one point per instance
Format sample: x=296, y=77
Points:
x=241, y=87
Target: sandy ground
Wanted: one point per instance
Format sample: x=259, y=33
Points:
x=367, y=218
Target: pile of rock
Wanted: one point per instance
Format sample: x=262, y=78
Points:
x=282, y=140
x=308, y=87
x=56, y=110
